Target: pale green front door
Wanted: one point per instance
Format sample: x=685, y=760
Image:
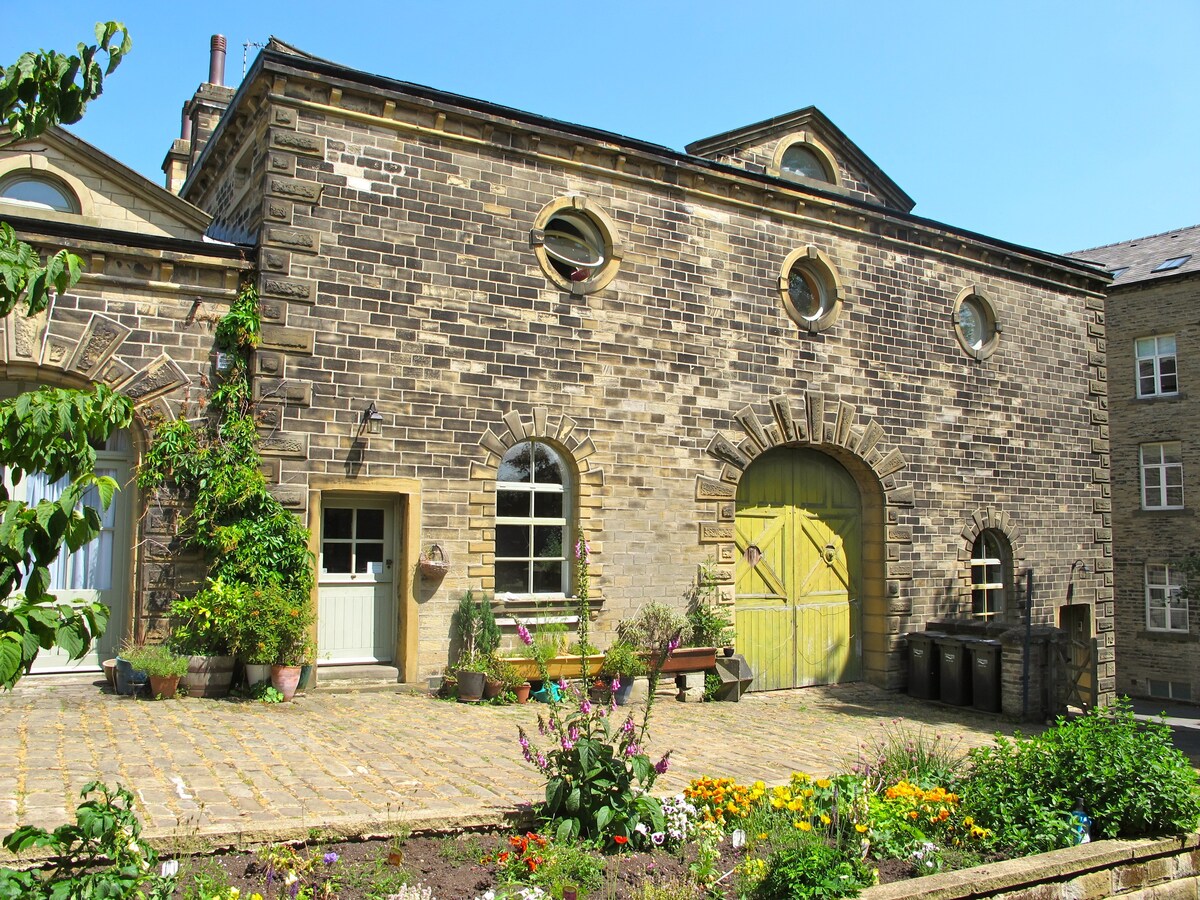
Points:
x=799, y=544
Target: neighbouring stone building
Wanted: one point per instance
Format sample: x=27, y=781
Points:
x=486, y=330
x=1154, y=369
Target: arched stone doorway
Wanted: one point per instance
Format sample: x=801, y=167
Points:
x=798, y=576
x=832, y=431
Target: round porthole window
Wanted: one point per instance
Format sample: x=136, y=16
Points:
x=810, y=290
x=975, y=324
x=575, y=244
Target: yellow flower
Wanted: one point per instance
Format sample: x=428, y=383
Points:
x=804, y=825
x=823, y=783
x=825, y=820
x=861, y=829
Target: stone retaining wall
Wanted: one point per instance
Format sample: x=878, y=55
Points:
x=1150, y=869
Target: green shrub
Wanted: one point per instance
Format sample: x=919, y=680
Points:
x=100, y=855
x=813, y=870
x=207, y=623
x=1129, y=777
x=912, y=755
x=155, y=659
x=622, y=659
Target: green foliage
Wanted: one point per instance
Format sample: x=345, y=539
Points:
x=208, y=623
x=1131, y=780
x=813, y=870
x=598, y=779
x=622, y=659
x=906, y=754
x=51, y=430
x=475, y=627
x=100, y=856
x=246, y=534
x=655, y=626
x=551, y=865
x=38, y=91
x=272, y=626
x=265, y=693
x=712, y=684
x=46, y=88
x=711, y=624
x=155, y=659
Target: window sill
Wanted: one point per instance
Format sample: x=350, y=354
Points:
x=1166, y=511
x=1159, y=398
x=1170, y=637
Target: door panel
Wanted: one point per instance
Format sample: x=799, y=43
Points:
x=798, y=613
x=356, y=607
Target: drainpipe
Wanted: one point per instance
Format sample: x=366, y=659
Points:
x=1028, y=643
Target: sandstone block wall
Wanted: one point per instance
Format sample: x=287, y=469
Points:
x=1157, y=536
x=397, y=268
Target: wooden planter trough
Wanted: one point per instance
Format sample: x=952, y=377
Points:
x=566, y=666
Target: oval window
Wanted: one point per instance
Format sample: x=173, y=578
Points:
x=573, y=242
x=975, y=324
x=807, y=296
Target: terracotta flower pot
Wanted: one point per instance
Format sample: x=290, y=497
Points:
x=492, y=688
x=164, y=686
x=522, y=692
x=285, y=679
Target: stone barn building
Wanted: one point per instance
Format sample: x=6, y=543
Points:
x=495, y=332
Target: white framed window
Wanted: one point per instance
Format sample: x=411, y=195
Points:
x=1162, y=475
x=991, y=575
x=533, y=492
x=1166, y=605
x=1157, y=374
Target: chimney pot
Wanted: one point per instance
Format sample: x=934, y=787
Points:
x=185, y=123
x=216, y=60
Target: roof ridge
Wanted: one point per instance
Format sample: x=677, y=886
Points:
x=1145, y=237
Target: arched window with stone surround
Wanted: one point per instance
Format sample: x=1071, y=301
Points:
x=533, y=502
x=991, y=575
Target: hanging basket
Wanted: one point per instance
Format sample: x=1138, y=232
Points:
x=434, y=562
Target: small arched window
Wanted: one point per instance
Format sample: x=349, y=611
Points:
x=803, y=161
x=991, y=575
x=533, y=493
x=38, y=192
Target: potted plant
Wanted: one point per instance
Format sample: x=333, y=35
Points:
x=261, y=629
x=622, y=662
x=712, y=625
x=471, y=672
x=163, y=667
x=204, y=628
x=129, y=678
x=661, y=634
x=292, y=616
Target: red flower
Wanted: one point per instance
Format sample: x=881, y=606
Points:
x=621, y=839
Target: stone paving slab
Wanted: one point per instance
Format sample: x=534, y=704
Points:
x=368, y=761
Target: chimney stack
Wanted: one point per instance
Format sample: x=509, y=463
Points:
x=201, y=115
x=216, y=60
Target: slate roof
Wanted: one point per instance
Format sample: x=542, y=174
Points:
x=1142, y=255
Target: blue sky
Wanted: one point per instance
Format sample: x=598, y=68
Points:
x=1058, y=125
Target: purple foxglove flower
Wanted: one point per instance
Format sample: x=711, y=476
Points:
x=628, y=726
x=524, y=635
x=585, y=707
x=663, y=764
x=541, y=725
x=541, y=762
x=632, y=749
x=522, y=740
x=568, y=744
x=673, y=644
x=573, y=734
x=616, y=685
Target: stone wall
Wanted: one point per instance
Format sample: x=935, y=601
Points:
x=1166, y=869
x=398, y=268
x=1158, y=536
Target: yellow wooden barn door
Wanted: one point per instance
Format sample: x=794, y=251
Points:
x=799, y=539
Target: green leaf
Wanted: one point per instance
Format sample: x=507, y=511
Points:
x=566, y=830
x=603, y=816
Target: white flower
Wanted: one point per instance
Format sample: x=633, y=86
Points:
x=641, y=828
x=170, y=868
x=739, y=839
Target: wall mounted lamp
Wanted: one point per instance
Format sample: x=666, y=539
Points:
x=372, y=420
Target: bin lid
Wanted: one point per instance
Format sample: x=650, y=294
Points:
x=925, y=635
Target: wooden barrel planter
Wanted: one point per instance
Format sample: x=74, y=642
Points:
x=209, y=676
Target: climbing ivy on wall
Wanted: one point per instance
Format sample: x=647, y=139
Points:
x=244, y=532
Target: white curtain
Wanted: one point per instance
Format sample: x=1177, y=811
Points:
x=90, y=567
